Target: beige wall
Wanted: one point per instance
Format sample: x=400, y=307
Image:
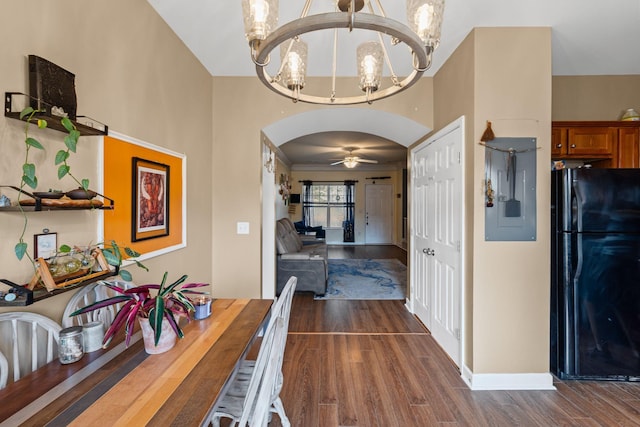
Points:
x=511, y=279
x=502, y=75
x=242, y=107
x=594, y=97
x=454, y=88
x=133, y=74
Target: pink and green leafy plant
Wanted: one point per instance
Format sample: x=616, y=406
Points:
x=155, y=302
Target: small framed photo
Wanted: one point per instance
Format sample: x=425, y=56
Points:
x=45, y=245
x=150, y=200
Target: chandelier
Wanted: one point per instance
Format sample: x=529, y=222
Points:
x=288, y=78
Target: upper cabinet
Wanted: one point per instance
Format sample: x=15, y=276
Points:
x=603, y=144
x=629, y=147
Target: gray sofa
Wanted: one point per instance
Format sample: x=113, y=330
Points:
x=306, y=260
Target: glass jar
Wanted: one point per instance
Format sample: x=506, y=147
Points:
x=202, y=304
x=70, y=345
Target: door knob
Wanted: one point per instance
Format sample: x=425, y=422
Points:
x=426, y=251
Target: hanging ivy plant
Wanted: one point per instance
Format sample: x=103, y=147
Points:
x=29, y=176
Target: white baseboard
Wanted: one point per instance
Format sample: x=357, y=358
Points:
x=507, y=381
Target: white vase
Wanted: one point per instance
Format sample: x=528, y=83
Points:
x=167, y=337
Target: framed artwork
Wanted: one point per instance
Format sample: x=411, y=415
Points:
x=45, y=245
x=150, y=199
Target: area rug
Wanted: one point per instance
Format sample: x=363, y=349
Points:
x=366, y=279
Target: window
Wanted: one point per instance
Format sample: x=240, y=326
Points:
x=326, y=205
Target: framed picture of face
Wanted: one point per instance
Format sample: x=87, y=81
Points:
x=150, y=200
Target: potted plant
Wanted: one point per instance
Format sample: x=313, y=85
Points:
x=159, y=305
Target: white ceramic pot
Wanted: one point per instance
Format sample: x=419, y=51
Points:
x=167, y=337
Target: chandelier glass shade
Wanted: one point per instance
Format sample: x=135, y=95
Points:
x=388, y=40
x=294, y=64
x=370, y=59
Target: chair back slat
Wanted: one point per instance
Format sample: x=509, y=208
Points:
x=4, y=371
x=88, y=295
x=16, y=355
x=28, y=341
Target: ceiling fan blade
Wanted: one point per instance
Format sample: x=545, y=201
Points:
x=367, y=161
x=337, y=163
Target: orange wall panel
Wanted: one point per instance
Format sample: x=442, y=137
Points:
x=118, y=167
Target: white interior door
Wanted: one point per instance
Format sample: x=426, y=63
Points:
x=378, y=213
x=422, y=233
x=437, y=229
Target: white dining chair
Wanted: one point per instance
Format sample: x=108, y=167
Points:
x=88, y=295
x=28, y=341
x=286, y=298
x=251, y=407
x=4, y=371
x=239, y=388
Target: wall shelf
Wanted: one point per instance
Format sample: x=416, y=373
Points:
x=45, y=285
x=38, y=204
x=85, y=125
x=25, y=296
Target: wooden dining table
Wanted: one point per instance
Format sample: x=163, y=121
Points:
x=127, y=386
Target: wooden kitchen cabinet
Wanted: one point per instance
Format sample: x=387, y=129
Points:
x=603, y=144
x=591, y=141
x=628, y=155
x=558, y=142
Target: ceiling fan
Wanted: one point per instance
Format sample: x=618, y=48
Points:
x=352, y=161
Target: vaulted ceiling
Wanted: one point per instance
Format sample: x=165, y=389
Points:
x=589, y=37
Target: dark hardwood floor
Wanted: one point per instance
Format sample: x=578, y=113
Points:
x=367, y=252
x=371, y=363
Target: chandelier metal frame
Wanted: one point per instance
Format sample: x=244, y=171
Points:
x=349, y=18
x=332, y=20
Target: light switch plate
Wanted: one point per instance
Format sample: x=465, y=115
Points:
x=242, y=228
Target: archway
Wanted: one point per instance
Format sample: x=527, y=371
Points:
x=380, y=123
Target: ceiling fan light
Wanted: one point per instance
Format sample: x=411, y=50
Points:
x=351, y=162
x=294, y=59
x=260, y=18
x=425, y=19
x=370, y=59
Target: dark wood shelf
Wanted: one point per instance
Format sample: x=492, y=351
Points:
x=40, y=204
x=49, y=209
x=27, y=297
x=85, y=125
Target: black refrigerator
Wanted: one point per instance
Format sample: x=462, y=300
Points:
x=595, y=274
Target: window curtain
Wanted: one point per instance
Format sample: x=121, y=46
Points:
x=306, y=202
x=347, y=227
